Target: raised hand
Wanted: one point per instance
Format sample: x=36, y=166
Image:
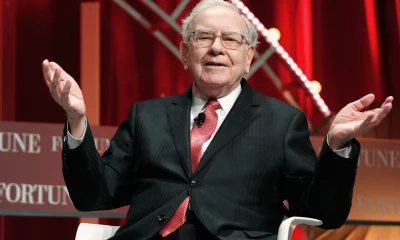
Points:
x=351, y=121
x=66, y=92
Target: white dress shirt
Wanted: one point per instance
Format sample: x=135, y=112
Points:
x=226, y=103
x=198, y=105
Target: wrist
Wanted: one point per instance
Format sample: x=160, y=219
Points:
x=336, y=143
x=77, y=126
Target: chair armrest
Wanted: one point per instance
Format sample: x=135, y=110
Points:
x=89, y=231
x=287, y=226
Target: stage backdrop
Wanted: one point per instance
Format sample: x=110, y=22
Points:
x=31, y=181
x=351, y=47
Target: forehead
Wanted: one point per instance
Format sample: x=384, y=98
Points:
x=220, y=18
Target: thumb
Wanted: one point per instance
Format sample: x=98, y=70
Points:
x=363, y=102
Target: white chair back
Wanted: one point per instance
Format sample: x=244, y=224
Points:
x=90, y=231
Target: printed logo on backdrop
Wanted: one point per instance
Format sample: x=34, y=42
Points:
x=16, y=142
x=31, y=178
x=29, y=143
x=34, y=194
x=39, y=194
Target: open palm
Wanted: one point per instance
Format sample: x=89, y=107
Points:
x=64, y=90
x=351, y=121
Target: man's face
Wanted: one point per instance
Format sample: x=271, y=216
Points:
x=216, y=69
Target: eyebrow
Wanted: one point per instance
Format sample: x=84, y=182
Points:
x=232, y=32
x=209, y=30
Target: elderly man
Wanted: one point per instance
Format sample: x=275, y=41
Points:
x=217, y=161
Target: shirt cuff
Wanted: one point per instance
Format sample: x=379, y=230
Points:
x=344, y=152
x=72, y=141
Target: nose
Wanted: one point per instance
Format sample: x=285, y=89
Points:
x=217, y=48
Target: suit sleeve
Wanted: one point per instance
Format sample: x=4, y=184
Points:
x=97, y=182
x=317, y=187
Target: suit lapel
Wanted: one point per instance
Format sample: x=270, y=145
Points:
x=243, y=112
x=178, y=115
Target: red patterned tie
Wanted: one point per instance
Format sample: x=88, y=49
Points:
x=198, y=136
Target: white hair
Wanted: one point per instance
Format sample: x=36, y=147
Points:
x=251, y=36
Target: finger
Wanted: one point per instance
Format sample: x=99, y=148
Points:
x=366, y=124
x=387, y=100
x=363, y=102
x=56, y=80
x=53, y=67
x=385, y=109
x=381, y=114
x=46, y=74
x=64, y=97
x=45, y=67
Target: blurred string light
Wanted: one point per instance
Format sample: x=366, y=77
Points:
x=274, y=33
x=272, y=36
x=316, y=86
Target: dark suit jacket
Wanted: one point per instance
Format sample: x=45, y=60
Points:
x=260, y=156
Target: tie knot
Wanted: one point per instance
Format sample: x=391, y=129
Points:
x=213, y=103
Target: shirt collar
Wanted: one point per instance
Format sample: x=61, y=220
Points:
x=226, y=102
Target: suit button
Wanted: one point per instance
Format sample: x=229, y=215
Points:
x=193, y=183
x=160, y=217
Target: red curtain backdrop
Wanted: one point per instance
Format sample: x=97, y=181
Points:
x=351, y=47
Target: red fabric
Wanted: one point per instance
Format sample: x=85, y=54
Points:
x=198, y=136
x=201, y=133
x=351, y=47
x=177, y=219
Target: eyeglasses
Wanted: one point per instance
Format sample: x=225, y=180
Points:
x=204, y=38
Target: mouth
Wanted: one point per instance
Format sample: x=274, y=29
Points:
x=214, y=64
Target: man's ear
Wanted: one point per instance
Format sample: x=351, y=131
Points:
x=184, y=49
x=249, y=57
